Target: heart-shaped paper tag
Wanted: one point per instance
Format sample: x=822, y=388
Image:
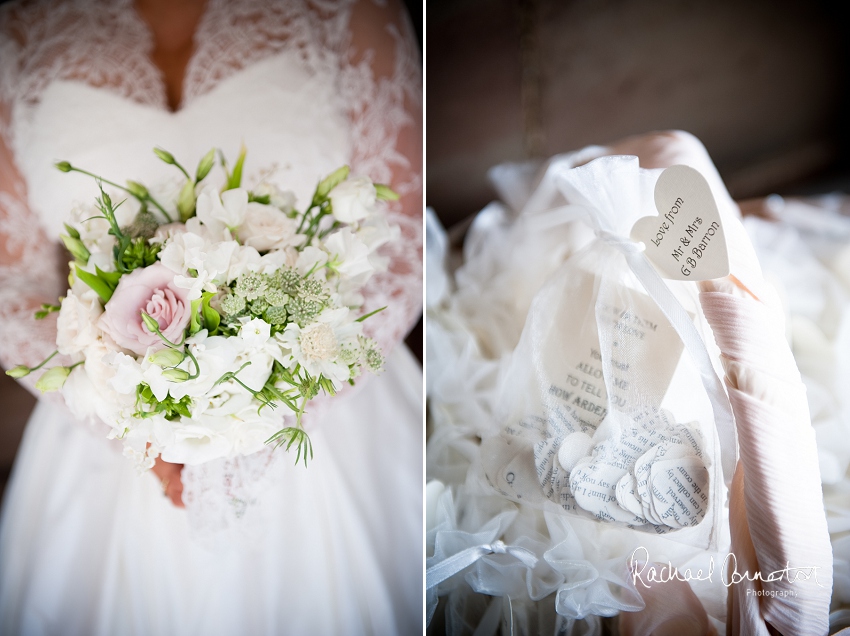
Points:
x=686, y=240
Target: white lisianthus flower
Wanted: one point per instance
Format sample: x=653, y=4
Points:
x=318, y=347
x=222, y=211
x=353, y=200
x=198, y=441
x=349, y=255
x=267, y=228
x=88, y=390
x=283, y=200
x=77, y=324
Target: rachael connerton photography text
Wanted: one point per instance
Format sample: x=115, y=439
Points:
x=646, y=572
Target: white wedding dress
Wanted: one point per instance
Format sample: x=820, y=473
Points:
x=87, y=545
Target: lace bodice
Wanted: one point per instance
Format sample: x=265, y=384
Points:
x=306, y=85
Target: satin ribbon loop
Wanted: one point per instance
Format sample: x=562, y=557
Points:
x=622, y=243
x=458, y=562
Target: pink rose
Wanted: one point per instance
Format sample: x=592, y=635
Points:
x=150, y=289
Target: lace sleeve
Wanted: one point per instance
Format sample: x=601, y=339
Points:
x=382, y=83
x=29, y=272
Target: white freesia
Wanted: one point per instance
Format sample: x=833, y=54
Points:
x=377, y=231
x=216, y=356
x=255, y=333
x=267, y=228
x=128, y=373
x=77, y=324
x=310, y=259
x=318, y=347
x=211, y=262
x=349, y=255
x=353, y=200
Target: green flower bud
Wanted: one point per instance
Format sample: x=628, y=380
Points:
x=76, y=247
x=19, y=371
x=72, y=232
x=53, y=379
x=385, y=192
x=150, y=323
x=205, y=165
x=137, y=189
x=186, y=201
x=329, y=183
x=166, y=156
x=175, y=375
x=167, y=357
x=64, y=166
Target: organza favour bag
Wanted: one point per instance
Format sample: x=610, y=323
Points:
x=602, y=414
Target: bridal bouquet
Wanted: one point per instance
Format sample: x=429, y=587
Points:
x=195, y=311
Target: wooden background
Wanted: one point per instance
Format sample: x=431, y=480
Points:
x=762, y=84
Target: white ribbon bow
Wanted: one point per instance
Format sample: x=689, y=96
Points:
x=450, y=566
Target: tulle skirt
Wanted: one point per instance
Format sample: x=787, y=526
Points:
x=89, y=546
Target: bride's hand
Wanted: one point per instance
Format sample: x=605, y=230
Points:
x=169, y=476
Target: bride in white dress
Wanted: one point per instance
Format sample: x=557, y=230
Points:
x=87, y=545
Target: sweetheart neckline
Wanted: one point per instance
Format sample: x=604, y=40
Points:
x=158, y=108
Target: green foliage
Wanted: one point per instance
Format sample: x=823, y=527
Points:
x=265, y=199
x=147, y=405
x=234, y=179
x=329, y=183
x=211, y=317
x=385, y=192
x=195, y=317
x=98, y=284
x=47, y=309
x=292, y=436
x=140, y=253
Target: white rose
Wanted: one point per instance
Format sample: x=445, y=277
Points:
x=353, y=200
x=267, y=228
x=77, y=324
